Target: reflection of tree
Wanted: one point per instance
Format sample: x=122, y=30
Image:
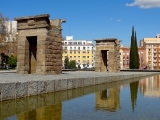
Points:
x=133, y=91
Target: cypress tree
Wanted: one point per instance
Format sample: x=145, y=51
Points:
x=134, y=57
x=137, y=55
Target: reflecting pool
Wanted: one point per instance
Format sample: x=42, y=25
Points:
x=125, y=100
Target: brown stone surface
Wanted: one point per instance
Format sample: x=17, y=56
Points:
x=107, y=55
x=39, y=45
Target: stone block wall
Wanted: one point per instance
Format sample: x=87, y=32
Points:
x=111, y=47
x=48, y=48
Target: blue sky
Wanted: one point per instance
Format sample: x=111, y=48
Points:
x=92, y=19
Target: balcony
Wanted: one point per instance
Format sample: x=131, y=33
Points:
x=154, y=61
x=154, y=51
x=154, y=65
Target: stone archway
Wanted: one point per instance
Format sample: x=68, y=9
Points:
x=39, y=45
x=107, y=55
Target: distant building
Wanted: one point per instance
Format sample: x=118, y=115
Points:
x=9, y=46
x=125, y=57
x=152, y=48
x=82, y=51
x=11, y=30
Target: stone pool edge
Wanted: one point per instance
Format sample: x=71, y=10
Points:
x=13, y=90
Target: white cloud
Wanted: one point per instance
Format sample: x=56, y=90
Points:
x=145, y=3
x=118, y=20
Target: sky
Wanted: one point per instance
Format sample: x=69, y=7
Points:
x=93, y=19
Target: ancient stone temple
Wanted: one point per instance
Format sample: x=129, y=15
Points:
x=39, y=45
x=107, y=55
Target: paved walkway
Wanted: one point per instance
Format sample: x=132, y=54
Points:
x=12, y=76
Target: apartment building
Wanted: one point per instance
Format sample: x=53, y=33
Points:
x=125, y=54
x=152, y=48
x=124, y=57
x=9, y=46
x=82, y=51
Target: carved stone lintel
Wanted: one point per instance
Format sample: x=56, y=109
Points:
x=31, y=22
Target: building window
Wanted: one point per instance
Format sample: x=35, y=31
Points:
x=78, y=48
x=74, y=56
x=70, y=48
x=65, y=43
x=84, y=43
x=69, y=43
x=87, y=56
x=84, y=56
x=65, y=52
x=70, y=52
x=84, y=48
x=79, y=43
x=78, y=56
x=78, y=52
x=84, y=52
x=74, y=47
x=74, y=52
x=70, y=56
x=88, y=52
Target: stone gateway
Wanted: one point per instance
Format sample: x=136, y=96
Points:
x=39, y=45
x=107, y=55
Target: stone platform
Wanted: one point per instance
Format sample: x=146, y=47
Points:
x=14, y=85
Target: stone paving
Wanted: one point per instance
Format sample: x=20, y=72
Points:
x=13, y=85
x=11, y=76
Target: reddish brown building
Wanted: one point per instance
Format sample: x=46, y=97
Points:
x=125, y=54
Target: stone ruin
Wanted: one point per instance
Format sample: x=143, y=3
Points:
x=39, y=48
x=107, y=55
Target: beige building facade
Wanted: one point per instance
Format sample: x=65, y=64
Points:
x=82, y=51
x=152, y=48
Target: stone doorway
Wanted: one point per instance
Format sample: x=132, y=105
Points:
x=104, y=60
x=32, y=54
x=107, y=55
x=39, y=48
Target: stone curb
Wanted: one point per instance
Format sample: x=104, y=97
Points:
x=18, y=89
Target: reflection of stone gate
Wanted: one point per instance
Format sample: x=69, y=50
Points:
x=39, y=45
x=108, y=99
x=107, y=55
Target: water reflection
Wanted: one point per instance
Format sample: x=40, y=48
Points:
x=52, y=112
x=108, y=99
x=134, y=92
x=150, y=87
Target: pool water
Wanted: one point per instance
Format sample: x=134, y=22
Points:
x=136, y=100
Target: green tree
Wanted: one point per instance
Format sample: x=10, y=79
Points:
x=137, y=55
x=12, y=61
x=66, y=62
x=72, y=64
x=134, y=57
